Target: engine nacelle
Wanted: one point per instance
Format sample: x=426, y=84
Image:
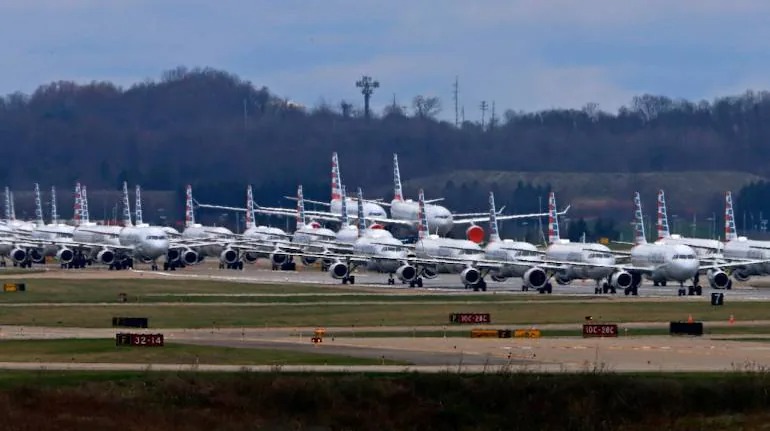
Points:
x=498, y=278
x=406, y=273
x=470, y=276
x=718, y=279
x=18, y=255
x=190, y=257
x=621, y=280
x=562, y=281
x=308, y=260
x=172, y=255
x=65, y=255
x=376, y=226
x=106, y=257
x=278, y=259
x=535, y=278
x=228, y=256
x=475, y=233
x=741, y=275
x=429, y=273
x=37, y=255
x=250, y=257
x=338, y=270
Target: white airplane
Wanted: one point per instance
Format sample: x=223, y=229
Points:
x=440, y=218
x=21, y=226
x=373, y=248
x=703, y=247
x=212, y=239
x=740, y=247
x=56, y=234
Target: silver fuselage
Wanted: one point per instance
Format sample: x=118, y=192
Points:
x=435, y=247
x=668, y=262
x=565, y=251
x=439, y=218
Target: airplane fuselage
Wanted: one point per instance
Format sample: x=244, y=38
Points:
x=744, y=248
x=437, y=247
x=582, y=253
x=439, y=218
x=199, y=232
x=518, y=257
x=670, y=262
x=371, y=209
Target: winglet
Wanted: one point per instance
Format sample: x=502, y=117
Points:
x=553, y=220
x=639, y=236
x=249, y=207
x=189, y=215
x=361, y=219
x=494, y=234
x=336, y=177
x=398, y=194
x=422, y=223
x=730, y=232
x=663, y=231
x=38, y=206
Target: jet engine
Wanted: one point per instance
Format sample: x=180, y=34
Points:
x=190, y=257
x=18, y=255
x=470, y=276
x=65, y=255
x=741, y=275
x=718, y=279
x=278, y=259
x=535, y=278
x=308, y=260
x=429, y=273
x=406, y=273
x=376, y=226
x=475, y=233
x=106, y=257
x=250, y=257
x=172, y=255
x=338, y=270
x=621, y=280
x=36, y=255
x=228, y=256
x=562, y=281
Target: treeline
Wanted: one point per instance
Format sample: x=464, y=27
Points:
x=207, y=127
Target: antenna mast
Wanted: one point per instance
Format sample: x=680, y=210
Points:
x=456, y=94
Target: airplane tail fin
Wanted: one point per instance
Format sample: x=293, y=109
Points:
x=422, y=223
x=84, y=215
x=553, y=220
x=13, y=207
x=249, y=208
x=361, y=219
x=494, y=233
x=138, y=206
x=639, y=235
x=663, y=231
x=38, y=206
x=301, y=219
x=54, y=212
x=344, y=220
x=189, y=215
x=126, y=206
x=7, y=204
x=336, y=177
x=730, y=232
x=398, y=194
x=77, y=209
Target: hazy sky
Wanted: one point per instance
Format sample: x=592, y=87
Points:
x=522, y=54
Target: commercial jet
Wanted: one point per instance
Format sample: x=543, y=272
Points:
x=704, y=247
x=740, y=247
x=21, y=226
x=55, y=236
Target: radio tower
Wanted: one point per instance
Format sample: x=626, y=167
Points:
x=483, y=107
x=456, y=94
x=367, y=86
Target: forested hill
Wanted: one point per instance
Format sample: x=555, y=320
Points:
x=209, y=127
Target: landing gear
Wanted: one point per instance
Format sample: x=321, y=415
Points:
x=481, y=285
x=548, y=288
x=605, y=288
x=524, y=288
x=416, y=282
x=636, y=280
x=391, y=280
x=154, y=266
x=349, y=279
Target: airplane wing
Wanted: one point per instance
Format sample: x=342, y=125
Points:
x=484, y=219
x=731, y=264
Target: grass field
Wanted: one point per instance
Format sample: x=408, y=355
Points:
x=88, y=350
x=201, y=315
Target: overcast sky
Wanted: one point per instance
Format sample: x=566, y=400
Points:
x=524, y=55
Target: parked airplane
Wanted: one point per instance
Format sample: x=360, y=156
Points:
x=740, y=247
x=55, y=236
x=21, y=226
x=703, y=247
x=214, y=237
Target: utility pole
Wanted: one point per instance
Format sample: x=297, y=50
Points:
x=456, y=94
x=492, y=118
x=367, y=86
x=483, y=107
x=245, y=113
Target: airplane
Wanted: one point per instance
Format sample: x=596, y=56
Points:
x=740, y=247
x=440, y=218
x=215, y=235
x=373, y=248
x=703, y=247
x=10, y=215
x=56, y=235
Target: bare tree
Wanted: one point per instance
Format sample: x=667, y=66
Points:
x=426, y=107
